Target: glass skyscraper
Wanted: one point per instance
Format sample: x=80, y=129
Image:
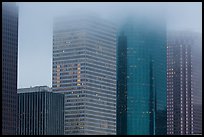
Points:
x=184, y=83
x=40, y=111
x=141, y=78
x=84, y=69
x=9, y=67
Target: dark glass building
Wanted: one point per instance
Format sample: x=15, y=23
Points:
x=184, y=83
x=9, y=67
x=40, y=111
x=141, y=78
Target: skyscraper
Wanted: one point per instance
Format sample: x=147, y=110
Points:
x=184, y=88
x=9, y=67
x=84, y=69
x=40, y=111
x=141, y=77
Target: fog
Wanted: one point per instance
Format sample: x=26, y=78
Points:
x=36, y=20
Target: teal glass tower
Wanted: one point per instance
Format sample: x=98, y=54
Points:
x=141, y=78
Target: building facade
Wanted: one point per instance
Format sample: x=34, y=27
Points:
x=9, y=67
x=141, y=78
x=84, y=69
x=40, y=111
x=184, y=88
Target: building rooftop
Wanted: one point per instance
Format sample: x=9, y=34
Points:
x=34, y=89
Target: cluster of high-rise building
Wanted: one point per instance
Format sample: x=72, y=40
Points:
x=133, y=79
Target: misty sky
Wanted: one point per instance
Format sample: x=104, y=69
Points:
x=35, y=29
